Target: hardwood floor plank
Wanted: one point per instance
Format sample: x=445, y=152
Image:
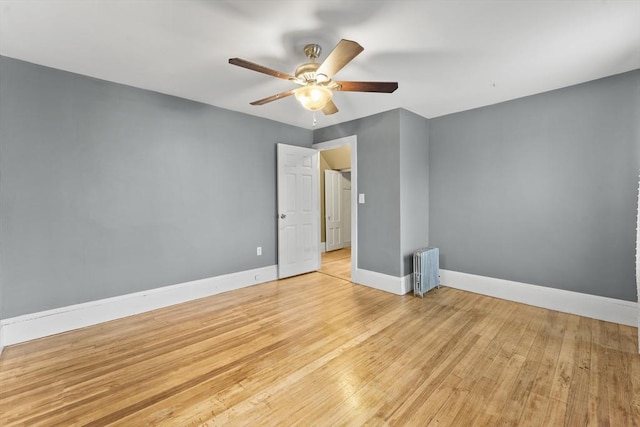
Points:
x=450, y=408
x=555, y=415
x=248, y=405
x=541, y=354
x=618, y=379
x=629, y=347
x=578, y=398
x=429, y=398
x=534, y=411
x=598, y=406
x=501, y=392
x=389, y=376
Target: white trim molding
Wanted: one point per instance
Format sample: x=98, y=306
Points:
x=1, y=338
x=592, y=306
x=382, y=282
x=41, y=324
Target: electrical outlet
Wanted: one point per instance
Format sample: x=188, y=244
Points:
x=259, y=250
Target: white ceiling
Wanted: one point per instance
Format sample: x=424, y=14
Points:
x=447, y=56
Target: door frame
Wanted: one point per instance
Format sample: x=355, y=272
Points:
x=351, y=141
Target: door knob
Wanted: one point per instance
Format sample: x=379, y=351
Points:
x=282, y=216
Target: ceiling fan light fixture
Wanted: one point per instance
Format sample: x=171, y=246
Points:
x=313, y=97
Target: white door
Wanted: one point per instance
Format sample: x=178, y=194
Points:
x=298, y=210
x=346, y=209
x=333, y=209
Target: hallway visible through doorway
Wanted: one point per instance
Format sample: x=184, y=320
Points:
x=337, y=263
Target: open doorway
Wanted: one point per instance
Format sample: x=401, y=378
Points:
x=338, y=216
x=335, y=218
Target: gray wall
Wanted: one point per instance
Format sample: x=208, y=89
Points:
x=107, y=189
x=393, y=175
x=414, y=186
x=542, y=189
x=379, y=179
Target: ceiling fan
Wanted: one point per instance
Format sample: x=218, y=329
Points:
x=316, y=80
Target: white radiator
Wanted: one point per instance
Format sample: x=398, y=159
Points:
x=426, y=270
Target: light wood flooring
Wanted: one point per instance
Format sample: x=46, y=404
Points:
x=318, y=350
x=337, y=263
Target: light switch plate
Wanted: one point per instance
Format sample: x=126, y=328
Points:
x=361, y=198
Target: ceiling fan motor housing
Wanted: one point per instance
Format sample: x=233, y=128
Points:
x=307, y=73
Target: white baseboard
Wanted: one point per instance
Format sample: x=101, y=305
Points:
x=37, y=325
x=383, y=282
x=323, y=247
x=592, y=306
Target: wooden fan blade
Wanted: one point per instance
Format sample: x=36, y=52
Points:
x=384, y=87
x=260, y=68
x=340, y=56
x=330, y=108
x=273, y=97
